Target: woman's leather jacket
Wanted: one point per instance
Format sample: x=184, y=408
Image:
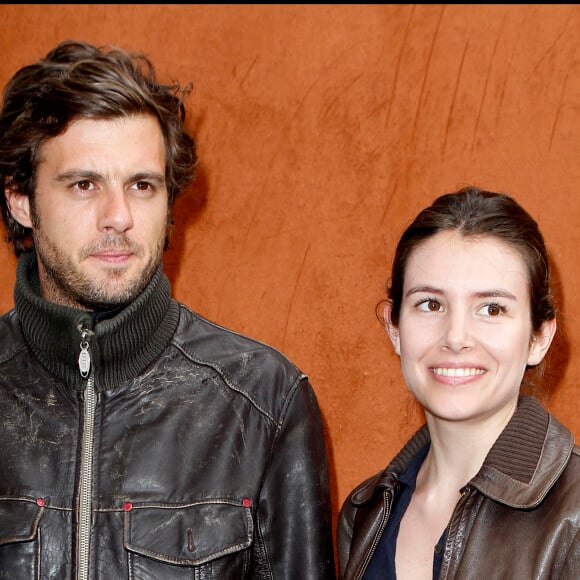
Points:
x=517, y=519
x=154, y=445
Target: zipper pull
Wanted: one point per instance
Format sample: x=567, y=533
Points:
x=85, y=355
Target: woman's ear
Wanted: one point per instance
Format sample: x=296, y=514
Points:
x=541, y=342
x=390, y=326
x=18, y=204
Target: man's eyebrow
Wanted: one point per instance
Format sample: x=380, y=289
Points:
x=78, y=174
x=82, y=174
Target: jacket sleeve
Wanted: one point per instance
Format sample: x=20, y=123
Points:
x=294, y=511
x=344, y=533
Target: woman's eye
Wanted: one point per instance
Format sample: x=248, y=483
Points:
x=492, y=310
x=430, y=305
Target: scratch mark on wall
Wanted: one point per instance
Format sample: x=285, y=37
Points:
x=247, y=74
x=454, y=99
x=502, y=95
x=558, y=109
x=426, y=75
x=547, y=53
x=484, y=92
x=390, y=199
x=291, y=306
x=330, y=104
x=398, y=66
x=507, y=76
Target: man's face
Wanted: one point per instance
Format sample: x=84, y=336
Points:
x=100, y=212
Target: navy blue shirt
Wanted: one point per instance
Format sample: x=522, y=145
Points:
x=382, y=564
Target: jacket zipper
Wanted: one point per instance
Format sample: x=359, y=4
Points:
x=370, y=553
x=86, y=471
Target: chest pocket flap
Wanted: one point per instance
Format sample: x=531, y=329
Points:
x=19, y=521
x=188, y=535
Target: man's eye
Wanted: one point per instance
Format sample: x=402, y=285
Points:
x=85, y=185
x=143, y=187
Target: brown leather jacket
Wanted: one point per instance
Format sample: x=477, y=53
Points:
x=517, y=519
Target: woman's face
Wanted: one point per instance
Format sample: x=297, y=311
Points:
x=465, y=332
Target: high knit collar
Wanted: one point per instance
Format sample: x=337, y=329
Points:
x=121, y=347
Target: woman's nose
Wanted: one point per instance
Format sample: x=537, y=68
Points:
x=457, y=332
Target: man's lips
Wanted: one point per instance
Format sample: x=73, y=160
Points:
x=115, y=256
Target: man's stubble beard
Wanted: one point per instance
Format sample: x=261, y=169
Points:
x=65, y=283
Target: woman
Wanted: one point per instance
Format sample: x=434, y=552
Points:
x=489, y=487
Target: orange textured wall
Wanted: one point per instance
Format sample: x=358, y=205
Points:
x=322, y=130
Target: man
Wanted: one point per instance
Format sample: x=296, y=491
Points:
x=137, y=439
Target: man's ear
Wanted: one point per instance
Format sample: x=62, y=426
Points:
x=391, y=328
x=541, y=342
x=18, y=204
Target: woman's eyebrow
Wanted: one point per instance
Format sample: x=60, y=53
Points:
x=496, y=293
x=491, y=293
x=426, y=289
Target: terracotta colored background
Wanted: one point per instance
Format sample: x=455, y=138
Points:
x=322, y=130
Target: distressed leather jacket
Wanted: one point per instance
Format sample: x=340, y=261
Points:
x=518, y=518
x=154, y=445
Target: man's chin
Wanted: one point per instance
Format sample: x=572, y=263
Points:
x=103, y=297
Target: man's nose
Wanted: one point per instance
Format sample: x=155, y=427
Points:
x=114, y=211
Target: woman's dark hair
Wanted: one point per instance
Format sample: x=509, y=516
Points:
x=474, y=212
x=75, y=81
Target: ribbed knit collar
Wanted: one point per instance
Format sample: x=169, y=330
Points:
x=527, y=458
x=520, y=467
x=121, y=347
